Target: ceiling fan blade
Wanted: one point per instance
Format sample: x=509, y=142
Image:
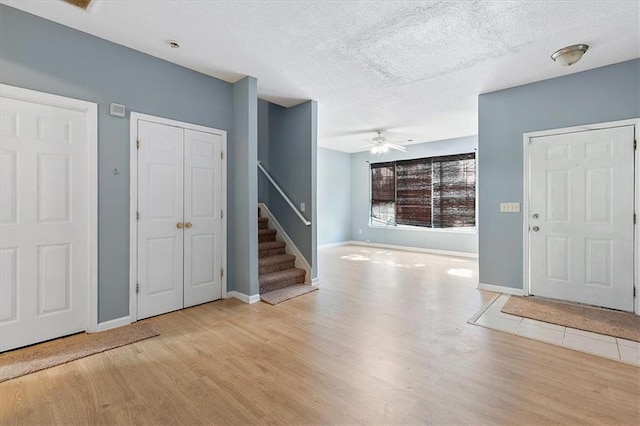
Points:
x=396, y=147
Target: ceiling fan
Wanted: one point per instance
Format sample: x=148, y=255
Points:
x=379, y=145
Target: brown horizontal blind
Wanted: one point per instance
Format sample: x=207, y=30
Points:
x=383, y=192
x=413, y=196
x=454, y=191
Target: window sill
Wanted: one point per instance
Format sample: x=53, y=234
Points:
x=468, y=231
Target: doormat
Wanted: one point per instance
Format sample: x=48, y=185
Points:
x=602, y=321
x=278, y=296
x=38, y=357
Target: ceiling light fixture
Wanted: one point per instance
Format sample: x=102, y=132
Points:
x=569, y=55
x=173, y=44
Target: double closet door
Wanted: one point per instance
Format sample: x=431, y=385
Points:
x=179, y=218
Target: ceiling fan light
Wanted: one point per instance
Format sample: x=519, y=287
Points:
x=569, y=55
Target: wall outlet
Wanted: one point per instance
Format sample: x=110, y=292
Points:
x=509, y=207
x=302, y=206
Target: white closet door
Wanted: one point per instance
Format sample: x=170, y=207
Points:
x=202, y=212
x=44, y=226
x=160, y=206
x=581, y=223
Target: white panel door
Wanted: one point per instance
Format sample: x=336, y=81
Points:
x=203, y=221
x=160, y=208
x=581, y=217
x=44, y=227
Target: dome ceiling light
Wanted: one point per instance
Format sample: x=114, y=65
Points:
x=569, y=55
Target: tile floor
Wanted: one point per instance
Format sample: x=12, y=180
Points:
x=584, y=341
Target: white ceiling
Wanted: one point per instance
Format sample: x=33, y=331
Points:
x=414, y=69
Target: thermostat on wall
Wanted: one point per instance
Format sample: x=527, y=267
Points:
x=117, y=110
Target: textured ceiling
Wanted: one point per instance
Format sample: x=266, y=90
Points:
x=414, y=69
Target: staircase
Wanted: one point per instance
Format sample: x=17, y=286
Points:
x=279, y=278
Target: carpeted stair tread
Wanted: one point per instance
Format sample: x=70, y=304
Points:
x=282, y=275
x=276, y=263
x=263, y=220
x=271, y=245
x=272, y=260
x=277, y=296
x=265, y=235
x=280, y=279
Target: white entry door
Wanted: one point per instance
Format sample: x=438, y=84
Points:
x=203, y=217
x=180, y=207
x=581, y=226
x=44, y=222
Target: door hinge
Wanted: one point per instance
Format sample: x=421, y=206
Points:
x=221, y=272
x=222, y=155
x=137, y=288
x=221, y=214
x=137, y=215
x=635, y=144
x=137, y=143
x=634, y=218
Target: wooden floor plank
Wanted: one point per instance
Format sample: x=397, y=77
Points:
x=384, y=341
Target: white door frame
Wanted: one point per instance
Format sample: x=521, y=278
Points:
x=90, y=111
x=133, y=199
x=525, y=195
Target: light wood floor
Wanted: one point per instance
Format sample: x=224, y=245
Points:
x=385, y=340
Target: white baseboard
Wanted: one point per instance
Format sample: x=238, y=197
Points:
x=114, y=323
x=416, y=249
x=341, y=243
x=501, y=289
x=291, y=248
x=243, y=297
x=315, y=282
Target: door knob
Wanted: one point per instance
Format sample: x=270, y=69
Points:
x=179, y=225
x=188, y=225
x=535, y=228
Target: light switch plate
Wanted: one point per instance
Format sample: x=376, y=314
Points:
x=302, y=207
x=509, y=207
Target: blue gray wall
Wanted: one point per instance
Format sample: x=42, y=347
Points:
x=243, y=204
x=460, y=241
x=604, y=94
x=290, y=158
x=45, y=56
x=263, y=150
x=334, y=196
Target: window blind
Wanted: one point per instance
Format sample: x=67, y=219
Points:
x=383, y=192
x=454, y=191
x=413, y=199
x=438, y=192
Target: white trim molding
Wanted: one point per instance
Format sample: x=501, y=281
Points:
x=501, y=289
x=114, y=323
x=416, y=249
x=526, y=138
x=291, y=248
x=133, y=199
x=243, y=297
x=90, y=111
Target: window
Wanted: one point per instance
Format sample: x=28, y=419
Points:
x=433, y=192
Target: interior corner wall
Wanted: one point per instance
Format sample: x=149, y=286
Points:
x=292, y=142
x=599, y=95
x=334, y=196
x=263, y=150
x=243, y=190
x=432, y=239
x=41, y=55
